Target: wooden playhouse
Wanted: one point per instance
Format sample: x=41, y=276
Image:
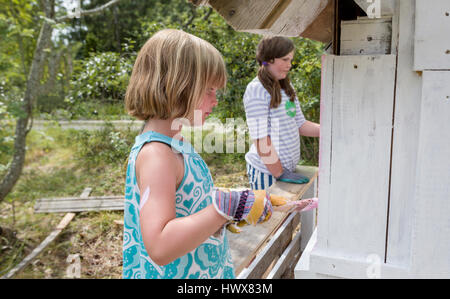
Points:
x=384, y=170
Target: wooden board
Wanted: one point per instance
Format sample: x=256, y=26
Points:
x=237, y=12
x=358, y=103
x=251, y=240
x=432, y=35
x=284, y=262
x=431, y=242
x=366, y=36
x=308, y=18
x=77, y=204
x=273, y=249
x=405, y=142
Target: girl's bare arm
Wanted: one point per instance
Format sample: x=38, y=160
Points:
x=309, y=129
x=267, y=152
x=166, y=237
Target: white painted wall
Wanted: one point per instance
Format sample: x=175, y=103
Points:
x=432, y=36
x=384, y=165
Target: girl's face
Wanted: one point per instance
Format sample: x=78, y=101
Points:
x=209, y=101
x=280, y=67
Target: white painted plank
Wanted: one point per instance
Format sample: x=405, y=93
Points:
x=302, y=269
x=362, y=107
x=405, y=143
x=431, y=238
x=372, y=267
x=308, y=219
x=326, y=97
x=366, y=36
x=361, y=29
x=432, y=40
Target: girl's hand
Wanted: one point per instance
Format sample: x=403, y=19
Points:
x=298, y=205
x=292, y=177
x=252, y=206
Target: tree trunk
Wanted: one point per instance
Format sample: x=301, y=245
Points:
x=53, y=64
x=23, y=124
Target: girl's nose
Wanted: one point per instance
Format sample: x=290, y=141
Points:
x=214, y=101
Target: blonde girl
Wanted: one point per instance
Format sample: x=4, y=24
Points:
x=173, y=217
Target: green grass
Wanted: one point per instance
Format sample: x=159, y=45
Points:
x=92, y=110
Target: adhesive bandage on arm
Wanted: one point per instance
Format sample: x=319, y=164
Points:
x=144, y=198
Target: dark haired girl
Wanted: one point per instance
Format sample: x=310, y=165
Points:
x=274, y=117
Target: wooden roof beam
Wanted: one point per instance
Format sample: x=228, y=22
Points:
x=307, y=18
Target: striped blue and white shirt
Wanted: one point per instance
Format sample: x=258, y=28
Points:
x=281, y=124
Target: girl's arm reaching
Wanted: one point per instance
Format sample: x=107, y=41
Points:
x=166, y=237
x=309, y=129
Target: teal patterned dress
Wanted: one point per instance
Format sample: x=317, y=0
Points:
x=212, y=259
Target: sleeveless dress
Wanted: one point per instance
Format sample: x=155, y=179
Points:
x=212, y=259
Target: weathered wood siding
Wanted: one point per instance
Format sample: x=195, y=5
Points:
x=431, y=237
x=405, y=142
x=357, y=108
x=432, y=40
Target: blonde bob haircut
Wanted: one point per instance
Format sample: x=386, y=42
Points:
x=172, y=72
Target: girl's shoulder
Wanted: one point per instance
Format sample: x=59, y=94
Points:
x=159, y=159
x=255, y=83
x=256, y=89
x=156, y=155
x=159, y=150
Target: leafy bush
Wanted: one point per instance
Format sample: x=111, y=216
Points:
x=103, y=76
x=104, y=146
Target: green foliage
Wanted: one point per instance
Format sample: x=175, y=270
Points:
x=94, y=85
x=102, y=76
x=17, y=40
x=106, y=146
x=6, y=143
x=115, y=26
x=239, y=51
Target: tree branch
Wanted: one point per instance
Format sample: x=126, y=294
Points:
x=87, y=12
x=206, y=17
